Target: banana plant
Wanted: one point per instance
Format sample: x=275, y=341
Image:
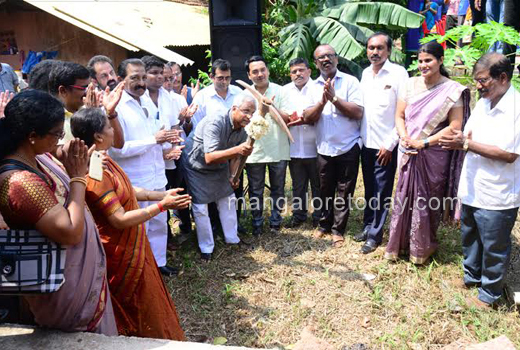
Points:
x=340, y=23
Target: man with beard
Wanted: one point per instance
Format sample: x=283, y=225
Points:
x=303, y=166
x=102, y=72
x=489, y=186
x=380, y=83
x=337, y=114
x=142, y=154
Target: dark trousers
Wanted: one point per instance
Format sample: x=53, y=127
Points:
x=256, y=179
x=486, y=246
x=304, y=171
x=511, y=18
x=337, y=173
x=379, y=183
x=175, y=180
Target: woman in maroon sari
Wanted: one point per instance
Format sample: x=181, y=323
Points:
x=431, y=106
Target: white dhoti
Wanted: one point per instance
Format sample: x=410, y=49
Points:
x=228, y=218
x=157, y=232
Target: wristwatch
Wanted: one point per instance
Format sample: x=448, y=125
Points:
x=334, y=99
x=465, y=145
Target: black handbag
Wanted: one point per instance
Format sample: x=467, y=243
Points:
x=29, y=261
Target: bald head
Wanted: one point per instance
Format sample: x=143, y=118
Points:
x=323, y=46
x=496, y=64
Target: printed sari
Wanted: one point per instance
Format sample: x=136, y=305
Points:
x=428, y=180
x=82, y=304
x=142, y=304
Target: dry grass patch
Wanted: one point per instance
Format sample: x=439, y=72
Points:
x=265, y=295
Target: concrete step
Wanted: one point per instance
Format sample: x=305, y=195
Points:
x=18, y=337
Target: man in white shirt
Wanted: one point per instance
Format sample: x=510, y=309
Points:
x=337, y=114
x=381, y=83
x=160, y=103
x=217, y=97
x=271, y=152
x=214, y=100
x=142, y=154
x=303, y=165
x=489, y=185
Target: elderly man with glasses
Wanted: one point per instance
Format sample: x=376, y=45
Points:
x=218, y=140
x=489, y=185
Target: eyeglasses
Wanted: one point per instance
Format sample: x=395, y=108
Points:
x=58, y=134
x=178, y=74
x=330, y=56
x=83, y=88
x=483, y=81
x=170, y=79
x=221, y=78
x=246, y=112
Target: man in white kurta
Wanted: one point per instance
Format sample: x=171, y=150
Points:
x=142, y=155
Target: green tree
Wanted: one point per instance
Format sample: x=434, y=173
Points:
x=461, y=59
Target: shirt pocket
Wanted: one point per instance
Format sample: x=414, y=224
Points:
x=386, y=96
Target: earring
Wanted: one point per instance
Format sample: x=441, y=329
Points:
x=32, y=142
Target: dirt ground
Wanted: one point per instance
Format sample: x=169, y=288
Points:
x=264, y=295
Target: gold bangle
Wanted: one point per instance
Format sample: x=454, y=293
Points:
x=149, y=212
x=80, y=180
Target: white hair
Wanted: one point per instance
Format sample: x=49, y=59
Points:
x=243, y=98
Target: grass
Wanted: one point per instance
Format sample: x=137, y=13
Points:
x=264, y=296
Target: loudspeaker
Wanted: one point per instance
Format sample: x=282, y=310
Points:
x=236, y=32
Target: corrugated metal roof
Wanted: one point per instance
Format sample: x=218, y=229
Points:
x=148, y=25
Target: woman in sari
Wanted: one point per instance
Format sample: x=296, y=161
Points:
x=142, y=304
x=431, y=106
x=40, y=195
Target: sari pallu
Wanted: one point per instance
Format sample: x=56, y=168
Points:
x=425, y=185
x=142, y=304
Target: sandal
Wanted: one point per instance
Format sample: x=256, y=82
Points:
x=337, y=241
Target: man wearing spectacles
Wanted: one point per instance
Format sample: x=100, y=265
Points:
x=218, y=140
x=219, y=95
x=68, y=81
x=489, y=186
x=337, y=113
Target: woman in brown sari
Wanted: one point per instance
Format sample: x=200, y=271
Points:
x=142, y=304
x=432, y=105
x=40, y=195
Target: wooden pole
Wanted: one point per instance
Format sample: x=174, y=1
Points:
x=242, y=163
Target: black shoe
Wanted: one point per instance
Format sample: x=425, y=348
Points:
x=205, y=256
x=315, y=223
x=257, y=231
x=275, y=229
x=241, y=229
x=368, y=247
x=362, y=236
x=169, y=271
